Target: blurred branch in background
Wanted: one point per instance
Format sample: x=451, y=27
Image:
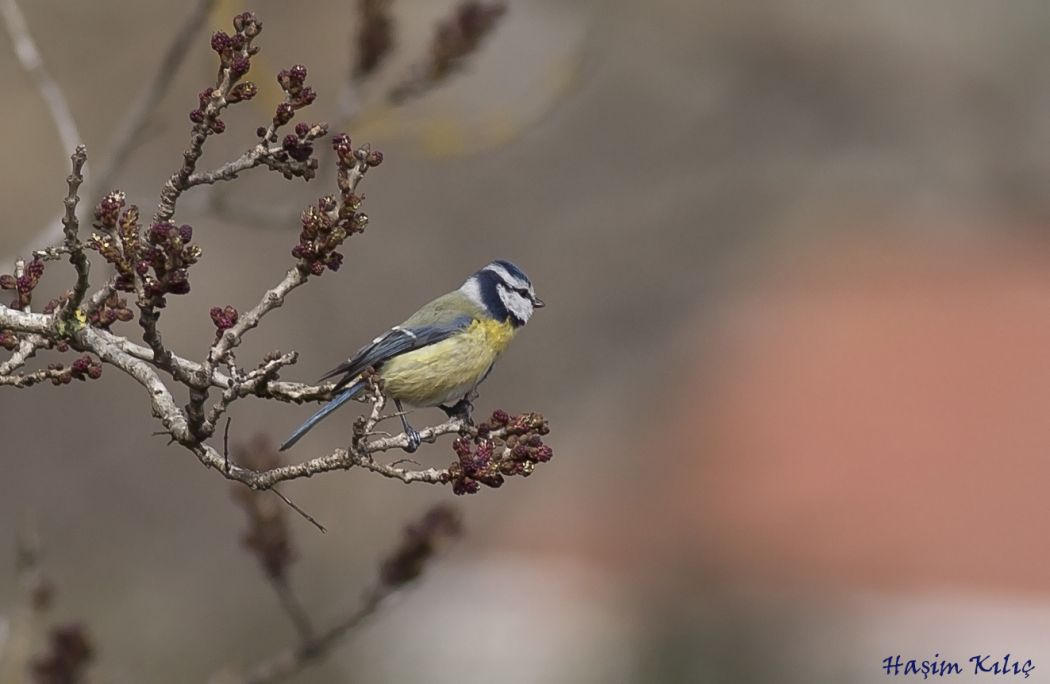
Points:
x=29, y=649
x=268, y=537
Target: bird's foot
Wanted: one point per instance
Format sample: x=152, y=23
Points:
x=414, y=440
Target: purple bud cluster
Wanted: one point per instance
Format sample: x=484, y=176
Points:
x=328, y=223
x=8, y=340
x=504, y=446
x=235, y=55
x=86, y=367
x=158, y=259
x=118, y=238
x=295, y=158
x=224, y=318
x=297, y=94
x=23, y=284
x=112, y=309
x=83, y=368
x=165, y=259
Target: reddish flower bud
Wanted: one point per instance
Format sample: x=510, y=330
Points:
x=239, y=66
x=220, y=41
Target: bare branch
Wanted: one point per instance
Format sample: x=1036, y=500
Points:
x=22, y=380
x=72, y=242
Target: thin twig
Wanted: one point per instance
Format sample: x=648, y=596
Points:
x=23, y=380
x=300, y=511
x=77, y=257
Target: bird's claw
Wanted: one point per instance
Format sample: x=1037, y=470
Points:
x=414, y=440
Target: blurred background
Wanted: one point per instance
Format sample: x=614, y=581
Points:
x=794, y=355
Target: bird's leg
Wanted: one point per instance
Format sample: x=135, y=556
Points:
x=461, y=409
x=414, y=439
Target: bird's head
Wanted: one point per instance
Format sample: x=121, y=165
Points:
x=504, y=291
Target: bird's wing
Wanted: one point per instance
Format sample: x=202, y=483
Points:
x=396, y=341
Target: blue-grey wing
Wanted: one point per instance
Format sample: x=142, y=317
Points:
x=398, y=340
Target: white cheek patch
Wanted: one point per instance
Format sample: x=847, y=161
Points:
x=520, y=306
x=472, y=290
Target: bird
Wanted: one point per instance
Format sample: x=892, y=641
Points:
x=442, y=352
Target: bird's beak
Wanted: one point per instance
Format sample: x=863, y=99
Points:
x=538, y=303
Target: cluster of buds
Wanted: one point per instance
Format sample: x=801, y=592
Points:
x=224, y=318
x=295, y=156
x=168, y=254
x=349, y=157
x=323, y=232
x=83, y=368
x=112, y=309
x=235, y=53
x=267, y=536
x=296, y=94
x=23, y=283
x=504, y=446
x=328, y=223
x=118, y=238
x=421, y=541
x=8, y=340
x=69, y=653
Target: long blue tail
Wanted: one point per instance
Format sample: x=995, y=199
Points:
x=337, y=401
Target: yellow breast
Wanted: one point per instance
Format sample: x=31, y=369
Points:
x=445, y=372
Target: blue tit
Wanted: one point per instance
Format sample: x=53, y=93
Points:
x=442, y=352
